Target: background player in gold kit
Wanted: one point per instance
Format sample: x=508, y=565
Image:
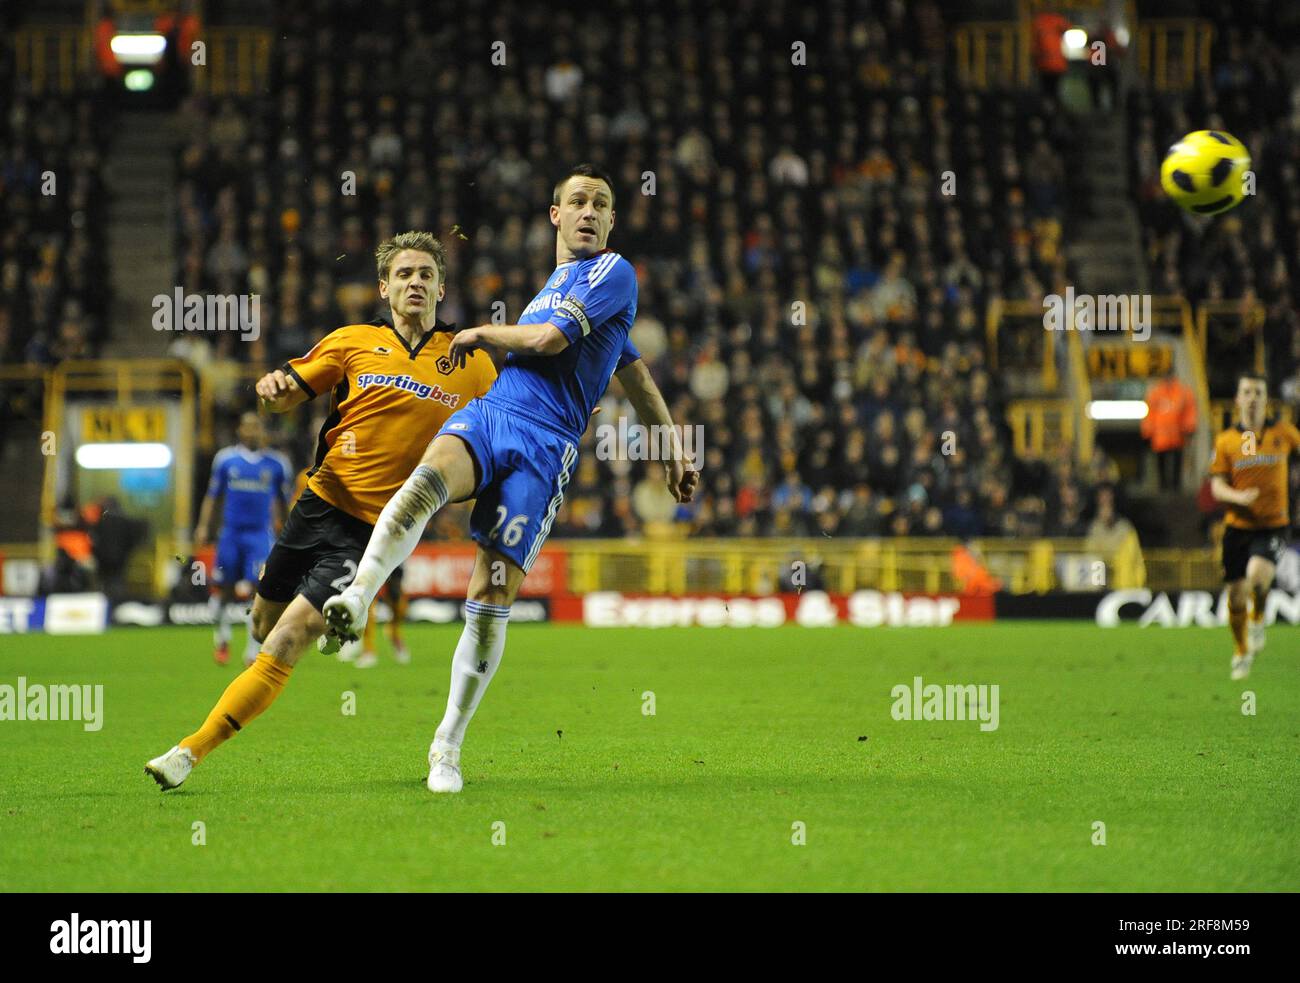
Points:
x=1249, y=475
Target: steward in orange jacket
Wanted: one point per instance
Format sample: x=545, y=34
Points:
x=1171, y=415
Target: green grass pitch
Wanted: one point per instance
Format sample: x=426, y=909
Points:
x=754, y=731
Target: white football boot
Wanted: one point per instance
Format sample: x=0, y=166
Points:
x=444, y=768
x=345, y=615
x=367, y=660
x=1255, y=637
x=402, y=655
x=1241, y=665
x=172, y=768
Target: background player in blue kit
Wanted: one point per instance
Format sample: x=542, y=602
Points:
x=253, y=485
x=515, y=448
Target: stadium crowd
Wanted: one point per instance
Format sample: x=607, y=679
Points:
x=54, y=295
x=812, y=291
x=807, y=293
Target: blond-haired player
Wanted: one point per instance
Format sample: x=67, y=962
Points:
x=392, y=384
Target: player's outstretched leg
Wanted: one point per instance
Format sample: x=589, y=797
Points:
x=247, y=696
x=445, y=474
x=1259, y=576
x=397, y=532
x=1238, y=604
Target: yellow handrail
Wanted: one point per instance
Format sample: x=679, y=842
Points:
x=1192, y=36
x=998, y=312
x=1032, y=421
x=973, y=42
x=1082, y=386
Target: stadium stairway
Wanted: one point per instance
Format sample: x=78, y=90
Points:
x=1106, y=246
x=1106, y=251
x=139, y=174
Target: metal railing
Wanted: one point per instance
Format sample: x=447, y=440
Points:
x=992, y=49
x=238, y=61
x=52, y=58
x=1172, y=52
x=1039, y=356
x=1038, y=425
x=762, y=566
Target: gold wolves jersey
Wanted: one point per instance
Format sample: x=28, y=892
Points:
x=1257, y=461
x=387, y=401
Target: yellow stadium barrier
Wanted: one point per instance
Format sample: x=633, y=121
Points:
x=1038, y=426
x=1172, y=52
x=766, y=566
x=1038, y=355
x=996, y=50
x=763, y=566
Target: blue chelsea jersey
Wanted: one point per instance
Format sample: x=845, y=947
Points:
x=593, y=301
x=249, y=481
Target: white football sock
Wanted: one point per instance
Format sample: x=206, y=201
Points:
x=252, y=646
x=221, y=629
x=399, y=528
x=477, y=656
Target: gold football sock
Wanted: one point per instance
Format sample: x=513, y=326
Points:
x=399, y=615
x=1258, y=597
x=251, y=692
x=1237, y=622
x=368, y=633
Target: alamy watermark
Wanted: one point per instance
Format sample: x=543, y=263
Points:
x=637, y=442
x=1098, y=312
x=39, y=702
x=930, y=701
x=179, y=311
x=130, y=937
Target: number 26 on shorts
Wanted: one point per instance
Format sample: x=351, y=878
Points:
x=514, y=529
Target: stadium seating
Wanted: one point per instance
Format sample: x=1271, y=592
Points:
x=806, y=294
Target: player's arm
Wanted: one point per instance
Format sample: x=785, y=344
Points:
x=203, y=530
x=1221, y=489
x=280, y=391
x=1224, y=492
x=216, y=490
x=650, y=406
x=300, y=379
x=518, y=339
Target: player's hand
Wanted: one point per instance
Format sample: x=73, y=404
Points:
x=681, y=480
x=1248, y=496
x=201, y=540
x=273, y=387
x=462, y=343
